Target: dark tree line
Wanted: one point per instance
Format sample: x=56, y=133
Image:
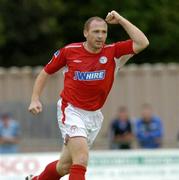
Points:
x=31, y=30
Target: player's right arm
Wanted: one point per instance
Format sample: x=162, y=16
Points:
x=35, y=105
x=56, y=63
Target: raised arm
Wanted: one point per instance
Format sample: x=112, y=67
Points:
x=140, y=41
x=35, y=105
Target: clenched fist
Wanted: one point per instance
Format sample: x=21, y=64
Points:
x=35, y=107
x=113, y=17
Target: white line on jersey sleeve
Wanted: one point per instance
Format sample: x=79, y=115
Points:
x=73, y=46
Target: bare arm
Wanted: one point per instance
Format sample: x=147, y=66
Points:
x=138, y=37
x=35, y=105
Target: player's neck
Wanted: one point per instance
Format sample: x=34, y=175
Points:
x=90, y=48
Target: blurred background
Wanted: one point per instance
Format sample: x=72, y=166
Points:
x=31, y=31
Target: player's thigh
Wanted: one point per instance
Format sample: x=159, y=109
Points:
x=65, y=161
x=78, y=148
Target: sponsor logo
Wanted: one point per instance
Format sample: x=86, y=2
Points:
x=19, y=165
x=90, y=76
x=103, y=59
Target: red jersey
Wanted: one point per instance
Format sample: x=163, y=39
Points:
x=88, y=77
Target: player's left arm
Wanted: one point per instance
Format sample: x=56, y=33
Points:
x=140, y=41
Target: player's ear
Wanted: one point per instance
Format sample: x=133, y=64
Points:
x=85, y=33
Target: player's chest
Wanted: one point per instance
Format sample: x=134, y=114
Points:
x=82, y=62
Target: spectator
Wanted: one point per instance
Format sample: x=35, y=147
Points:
x=149, y=129
x=121, y=130
x=9, y=134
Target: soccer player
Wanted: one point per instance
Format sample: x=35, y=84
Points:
x=89, y=74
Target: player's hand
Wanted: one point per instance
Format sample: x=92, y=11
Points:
x=113, y=17
x=35, y=107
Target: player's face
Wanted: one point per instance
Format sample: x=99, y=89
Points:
x=96, y=34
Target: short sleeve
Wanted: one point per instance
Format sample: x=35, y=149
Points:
x=57, y=62
x=123, y=48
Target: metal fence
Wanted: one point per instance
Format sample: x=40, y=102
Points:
x=134, y=85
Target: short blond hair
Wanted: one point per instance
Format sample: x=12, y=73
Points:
x=94, y=18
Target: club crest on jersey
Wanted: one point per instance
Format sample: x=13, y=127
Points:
x=90, y=76
x=103, y=59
